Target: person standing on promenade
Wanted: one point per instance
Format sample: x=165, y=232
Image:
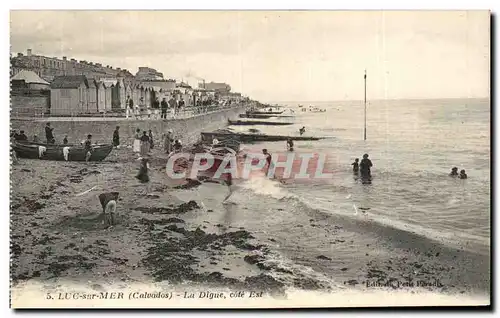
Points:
x=164, y=107
x=65, y=140
x=173, y=106
x=156, y=108
x=137, y=141
x=144, y=144
x=49, y=134
x=130, y=107
x=116, y=137
x=35, y=138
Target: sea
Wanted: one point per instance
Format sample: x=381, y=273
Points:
x=413, y=145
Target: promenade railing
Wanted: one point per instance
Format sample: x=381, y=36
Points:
x=143, y=114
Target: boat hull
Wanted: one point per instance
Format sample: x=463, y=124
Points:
x=55, y=152
x=248, y=138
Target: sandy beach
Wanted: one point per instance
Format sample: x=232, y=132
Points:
x=181, y=234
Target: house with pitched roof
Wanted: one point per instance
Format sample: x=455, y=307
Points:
x=30, y=80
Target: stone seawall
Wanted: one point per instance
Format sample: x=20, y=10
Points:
x=188, y=130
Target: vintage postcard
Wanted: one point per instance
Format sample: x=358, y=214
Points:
x=249, y=159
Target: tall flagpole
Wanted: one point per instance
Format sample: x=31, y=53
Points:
x=365, y=105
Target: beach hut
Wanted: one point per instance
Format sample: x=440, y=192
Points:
x=109, y=97
x=101, y=96
x=92, y=96
x=122, y=93
x=68, y=95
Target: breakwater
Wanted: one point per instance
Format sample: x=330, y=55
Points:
x=187, y=129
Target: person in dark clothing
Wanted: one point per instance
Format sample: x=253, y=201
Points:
x=181, y=103
x=88, y=147
x=365, y=167
x=116, y=137
x=144, y=144
x=177, y=145
x=289, y=144
x=143, y=175
x=454, y=172
x=22, y=136
x=355, y=166
x=302, y=130
x=151, y=143
x=49, y=134
x=164, y=107
x=35, y=138
x=463, y=175
x=65, y=140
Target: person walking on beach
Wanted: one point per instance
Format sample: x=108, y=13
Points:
x=268, y=161
x=143, y=175
x=137, y=141
x=355, y=166
x=365, y=167
x=168, y=141
x=116, y=137
x=164, y=107
x=302, y=130
x=144, y=144
x=49, y=134
x=229, y=183
x=88, y=147
x=289, y=144
x=151, y=144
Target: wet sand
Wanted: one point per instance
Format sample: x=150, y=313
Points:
x=59, y=238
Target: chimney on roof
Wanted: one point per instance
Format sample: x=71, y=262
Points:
x=91, y=63
x=64, y=58
x=28, y=52
x=73, y=60
x=118, y=68
x=19, y=54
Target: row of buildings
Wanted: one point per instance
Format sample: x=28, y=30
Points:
x=81, y=87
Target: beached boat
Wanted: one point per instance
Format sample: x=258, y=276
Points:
x=257, y=122
x=256, y=112
x=40, y=151
x=262, y=116
x=248, y=137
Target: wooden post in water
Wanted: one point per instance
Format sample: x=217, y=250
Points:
x=365, y=105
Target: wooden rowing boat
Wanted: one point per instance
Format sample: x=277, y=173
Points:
x=30, y=150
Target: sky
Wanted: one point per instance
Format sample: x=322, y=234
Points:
x=279, y=55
